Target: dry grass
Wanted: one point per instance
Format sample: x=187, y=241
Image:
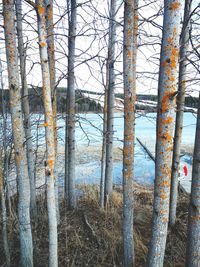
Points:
x=90, y=236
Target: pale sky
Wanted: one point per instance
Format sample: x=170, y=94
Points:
x=91, y=42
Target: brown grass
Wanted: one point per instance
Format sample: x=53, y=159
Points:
x=90, y=236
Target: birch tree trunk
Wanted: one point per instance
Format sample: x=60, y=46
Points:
x=26, y=247
x=26, y=110
x=51, y=58
x=71, y=116
x=193, y=238
x=184, y=43
x=110, y=104
x=49, y=133
x=129, y=67
x=166, y=103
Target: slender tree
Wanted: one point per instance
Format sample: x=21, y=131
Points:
x=49, y=133
x=26, y=109
x=166, y=103
x=26, y=247
x=51, y=58
x=184, y=43
x=110, y=102
x=129, y=67
x=193, y=238
x=71, y=116
x=103, y=153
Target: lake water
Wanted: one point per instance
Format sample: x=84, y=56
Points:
x=89, y=133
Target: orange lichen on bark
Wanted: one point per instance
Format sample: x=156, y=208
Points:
x=165, y=103
x=51, y=163
x=41, y=10
x=168, y=137
x=42, y=44
x=45, y=124
x=166, y=183
x=175, y=5
x=164, y=63
x=129, y=54
x=167, y=121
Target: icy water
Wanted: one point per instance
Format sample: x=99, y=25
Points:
x=88, y=132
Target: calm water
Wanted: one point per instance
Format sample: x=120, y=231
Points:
x=90, y=134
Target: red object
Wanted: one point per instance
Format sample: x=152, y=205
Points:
x=185, y=170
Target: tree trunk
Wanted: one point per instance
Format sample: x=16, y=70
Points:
x=193, y=239
x=110, y=104
x=26, y=247
x=49, y=133
x=51, y=58
x=103, y=155
x=184, y=43
x=26, y=110
x=166, y=103
x=71, y=116
x=129, y=67
x=4, y=212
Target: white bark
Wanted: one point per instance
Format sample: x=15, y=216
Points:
x=49, y=135
x=26, y=110
x=26, y=247
x=167, y=88
x=184, y=43
x=110, y=103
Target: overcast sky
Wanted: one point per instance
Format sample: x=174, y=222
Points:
x=91, y=46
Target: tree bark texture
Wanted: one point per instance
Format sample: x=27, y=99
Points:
x=4, y=212
x=49, y=134
x=71, y=116
x=184, y=43
x=166, y=103
x=51, y=58
x=103, y=155
x=26, y=246
x=25, y=105
x=110, y=104
x=129, y=67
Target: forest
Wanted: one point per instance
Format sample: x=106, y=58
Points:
x=99, y=133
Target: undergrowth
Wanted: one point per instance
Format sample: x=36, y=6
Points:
x=90, y=236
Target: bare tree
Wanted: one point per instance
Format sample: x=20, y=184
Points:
x=103, y=155
x=49, y=134
x=193, y=239
x=26, y=109
x=184, y=43
x=166, y=103
x=26, y=247
x=71, y=116
x=129, y=63
x=51, y=58
x=110, y=103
